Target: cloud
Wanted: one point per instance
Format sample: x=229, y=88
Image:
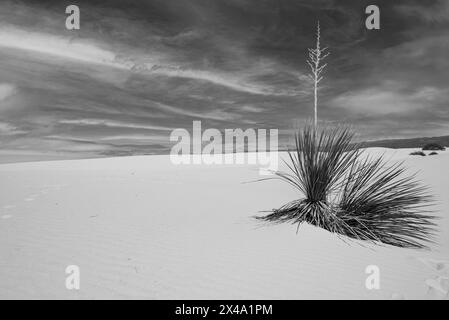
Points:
x=6, y=90
x=219, y=78
x=80, y=50
x=113, y=124
x=86, y=50
x=429, y=51
x=252, y=80
x=8, y=129
x=374, y=101
x=137, y=137
x=436, y=12
x=251, y=108
x=213, y=115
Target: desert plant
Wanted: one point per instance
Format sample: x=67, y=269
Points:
x=433, y=153
x=346, y=192
x=417, y=153
x=433, y=146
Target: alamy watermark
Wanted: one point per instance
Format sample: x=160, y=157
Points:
x=72, y=21
x=372, y=282
x=72, y=281
x=211, y=146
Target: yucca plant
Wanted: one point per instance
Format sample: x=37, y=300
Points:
x=348, y=193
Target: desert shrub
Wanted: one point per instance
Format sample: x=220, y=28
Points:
x=418, y=153
x=433, y=153
x=349, y=193
x=433, y=146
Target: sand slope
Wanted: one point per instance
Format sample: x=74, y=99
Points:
x=139, y=227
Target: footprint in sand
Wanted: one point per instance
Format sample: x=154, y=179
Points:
x=7, y=207
x=440, y=266
x=438, y=287
x=6, y=216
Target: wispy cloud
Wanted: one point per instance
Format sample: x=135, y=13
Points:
x=86, y=50
x=8, y=129
x=6, y=90
x=113, y=124
x=206, y=114
x=438, y=11
x=236, y=81
x=15, y=38
x=375, y=101
x=136, y=138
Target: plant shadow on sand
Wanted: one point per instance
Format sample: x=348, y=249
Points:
x=352, y=194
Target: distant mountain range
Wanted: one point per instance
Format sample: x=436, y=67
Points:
x=407, y=143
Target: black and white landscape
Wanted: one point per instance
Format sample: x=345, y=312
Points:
x=93, y=204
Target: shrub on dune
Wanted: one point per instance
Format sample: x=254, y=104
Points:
x=433, y=153
x=417, y=153
x=433, y=146
x=379, y=202
x=348, y=193
x=317, y=164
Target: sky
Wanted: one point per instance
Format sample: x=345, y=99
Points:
x=138, y=69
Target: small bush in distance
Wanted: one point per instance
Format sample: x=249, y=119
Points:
x=433, y=147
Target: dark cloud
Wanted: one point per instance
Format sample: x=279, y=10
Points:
x=138, y=69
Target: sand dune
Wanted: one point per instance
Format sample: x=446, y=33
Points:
x=140, y=227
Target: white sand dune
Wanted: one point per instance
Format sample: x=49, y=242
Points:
x=140, y=227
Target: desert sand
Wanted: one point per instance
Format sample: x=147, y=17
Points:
x=142, y=228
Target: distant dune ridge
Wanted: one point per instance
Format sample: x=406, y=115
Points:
x=407, y=143
x=13, y=157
